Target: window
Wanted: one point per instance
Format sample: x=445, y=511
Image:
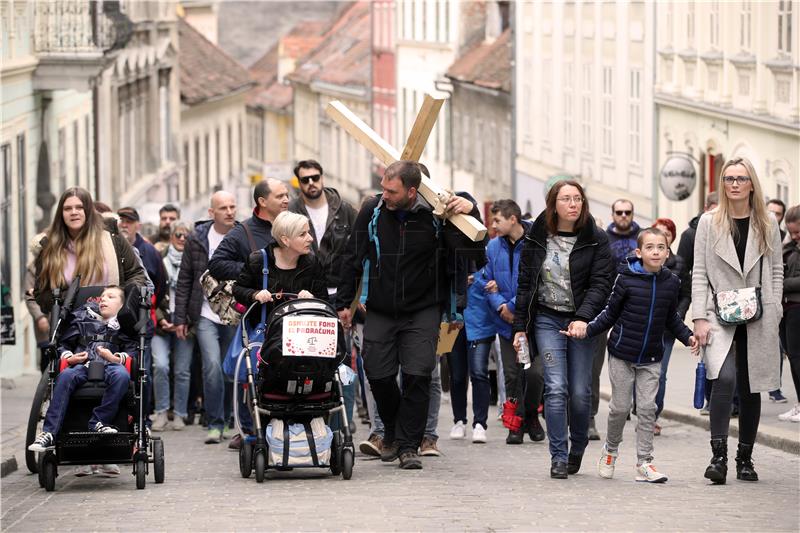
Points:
x=218, y=172
x=196, y=165
x=546, y=102
x=230, y=150
x=87, y=141
x=744, y=84
x=690, y=23
x=785, y=26
x=241, y=141
x=76, y=161
x=745, y=18
x=635, y=114
x=186, y=168
x=670, y=20
x=782, y=89
x=164, y=117
x=691, y=68
x=22, y=206
x=207, y=165
x=782, y=189
x=568, y=96
x=713, y=21
x=62, y=159
x=608, y=111
x=5, y=214
x=713, y=79
x=586, y=109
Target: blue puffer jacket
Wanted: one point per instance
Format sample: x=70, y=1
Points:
x=499, y=269
x=477, y=316
x=641, y=307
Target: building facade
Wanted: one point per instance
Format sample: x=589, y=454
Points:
x=583, y=96
x=727, y=85
x=384, y=76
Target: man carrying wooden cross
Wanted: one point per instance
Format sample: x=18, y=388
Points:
x=405, y=257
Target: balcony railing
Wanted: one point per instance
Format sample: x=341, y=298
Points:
x=82, y=27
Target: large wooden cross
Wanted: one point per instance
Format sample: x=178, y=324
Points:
x=436, y=195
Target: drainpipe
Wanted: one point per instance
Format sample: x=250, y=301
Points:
x=513, y=99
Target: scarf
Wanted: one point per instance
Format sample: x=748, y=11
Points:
x=172, y=262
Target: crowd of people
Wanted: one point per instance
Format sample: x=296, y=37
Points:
x=558, y=287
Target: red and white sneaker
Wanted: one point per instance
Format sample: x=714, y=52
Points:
x=647, y=473
x=607, y=463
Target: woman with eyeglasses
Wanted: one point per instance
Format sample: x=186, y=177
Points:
x=737, y=246
x=564, y=282
x=165, y=341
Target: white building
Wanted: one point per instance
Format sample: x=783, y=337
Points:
x=584, y=104
x=727, y=85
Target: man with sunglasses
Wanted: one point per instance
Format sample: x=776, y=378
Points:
x=331, y=218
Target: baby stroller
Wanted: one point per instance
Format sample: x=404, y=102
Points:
x=297, y=384
x=74, y=445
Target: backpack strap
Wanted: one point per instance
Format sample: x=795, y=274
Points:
x=312, y=446
x=264, y=281
x=372, y=232
x=250, y=238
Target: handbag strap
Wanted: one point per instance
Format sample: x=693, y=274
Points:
x=760, y=275
x=264, y=281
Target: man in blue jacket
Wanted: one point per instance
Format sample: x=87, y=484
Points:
x=501, y=271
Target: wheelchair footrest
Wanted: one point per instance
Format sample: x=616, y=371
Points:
x=88, y=445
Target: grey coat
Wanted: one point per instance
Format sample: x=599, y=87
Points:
x=715, y=259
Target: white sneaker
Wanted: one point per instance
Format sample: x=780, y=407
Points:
x=109, y=470
x=160, y=421
x=85, y=470
x=479, y=434
x=607, y=463
x=647, y=472
x=791, y=415
x=178, y=423
x=459, y=431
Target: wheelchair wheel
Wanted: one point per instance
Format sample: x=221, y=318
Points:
x=261, y=465
x=336, y=454
x=49, y=471
x=158, y=460
x=347, y=463
x=41, y=400
x=141, y=473
x=246, y=459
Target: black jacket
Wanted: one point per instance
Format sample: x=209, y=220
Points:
x=677, y=265
x=231, y=254
x=791, y=272
x=330, y=252
x=590, y=269
x=686, y=245
x=308, y=275
x=643, y=305
x=188, y=294
x=415, y=267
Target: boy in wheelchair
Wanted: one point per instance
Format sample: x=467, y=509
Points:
x=93, y=334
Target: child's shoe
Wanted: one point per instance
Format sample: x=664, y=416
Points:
x=43, y=441
x=160, y=421
x=102, y=428
x=85, y=470
x=606, y=464
x=110, y=470
x=646, y=472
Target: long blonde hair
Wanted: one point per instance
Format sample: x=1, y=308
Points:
x=88, y=244
x=760, y=217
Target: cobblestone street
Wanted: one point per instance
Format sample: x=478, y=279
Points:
x=471, y=487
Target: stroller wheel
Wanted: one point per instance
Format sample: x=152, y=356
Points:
x=336, y=454
x=141, y=473
x=246, y=459
x=48, y=472
x=261, y=465
x=158, y=460
x=347, y=463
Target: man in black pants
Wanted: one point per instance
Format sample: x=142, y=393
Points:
x=402, y=254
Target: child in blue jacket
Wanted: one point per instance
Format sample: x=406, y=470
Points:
x=643, y=304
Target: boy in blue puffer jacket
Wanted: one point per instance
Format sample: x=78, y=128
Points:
x=643, y=304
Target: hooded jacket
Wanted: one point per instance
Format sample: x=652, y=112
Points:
x=643, y=305
x=590, y=269
x=478, y=319
x=330, y=251
x=622, y=245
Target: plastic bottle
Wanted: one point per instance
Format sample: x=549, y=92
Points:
x=524, y=354
x=700, y=385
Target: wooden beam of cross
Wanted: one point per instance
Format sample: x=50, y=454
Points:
x=433, y=193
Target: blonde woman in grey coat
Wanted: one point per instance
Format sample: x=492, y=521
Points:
x=737, y=245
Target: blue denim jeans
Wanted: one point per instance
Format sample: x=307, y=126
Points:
x=214, y=340
x=669, y=342
x=470, y=359
x=433, y=408
x=567, y=366
x=116, y=378
x=182, y=350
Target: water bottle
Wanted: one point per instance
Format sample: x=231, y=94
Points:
x=700, y=385
x=524, y=354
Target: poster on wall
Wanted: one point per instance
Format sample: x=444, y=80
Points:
x=310, y=336
x=678, y=177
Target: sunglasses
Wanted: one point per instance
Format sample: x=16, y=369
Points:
x=179, y=235
x=314, y=177
x=621, y=213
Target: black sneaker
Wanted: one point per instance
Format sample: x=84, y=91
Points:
x=42, y=442
x=389, y=452
x=514, y=437
x=409, y=460
x=535, y=430
x=574, y=464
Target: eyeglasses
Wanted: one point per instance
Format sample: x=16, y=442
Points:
x=623, y=212
x=179, y=235
x=571, y=199
x=314, y=177
x=739, y=180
